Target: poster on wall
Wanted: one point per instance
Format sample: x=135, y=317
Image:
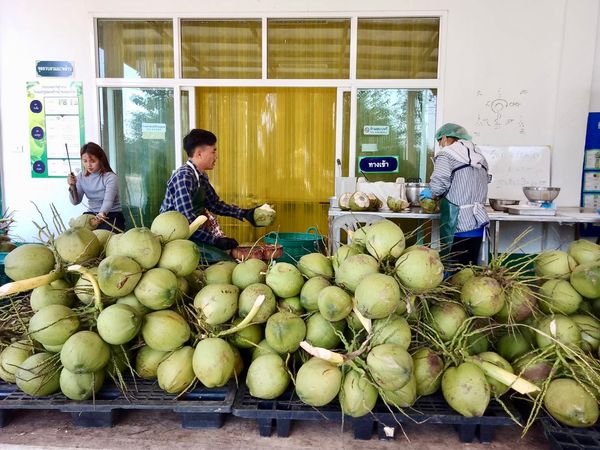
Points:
x=56, y=127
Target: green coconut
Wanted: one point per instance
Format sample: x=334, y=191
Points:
x=520, y=303
x=558, y=296
x=447, y=318
x=533, y=368
x=394, y=330
x=249, y=296
x=357, y=395
x=248, y=336
x=111, y=248
x=482, y=296
x=53, y=325
x=56, y=293
x=131, y=300
x=322, y=333
x=147, y=361
x=284, y=279
x=359, y=238
x=262, y=348
x=84, y=352
x=141, y=245
x=28, y=261
x=428, y=205
x=83, y=221
x=38, y=375
x=354, y=322
x=213, y=362
x=420, y=269
x=397, y=204
x=466, y=389
x=165, y=330
x=118, y=324
x=554, y=264
x=249, y=272
x=477, y=342
x=292, y=305
x=385, y=239
x=220, y=273
x=78, y=245
x=390, y=365
x=570, y=403
x=496, y=387
x=196, y=280
x=584, y=251
x=180, y=256
x=267, y=377
x=377, y=296
x=354, y=268
x=284, y=332
x=103, y=236
x=341, y=254
x=334, y=303
x=428, y=369
x=218, y=303
x=590, y=331
x=53, y=348
x=118, y=275
x=83, y=288
x=315, y=265
x=12, y=357
x=264, y=215
x=404, y=397
x=586, y=280
x=557, y=328
x=318, y=382
x=359, y=201
x=513, y=345
x=157, y=289
x=309, y=295
x=175, y=373
x=80, y=386
x=170, y=225
x=460, y=277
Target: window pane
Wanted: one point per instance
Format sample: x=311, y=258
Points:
x=309, y=48
x=135, y=48
x=137, y=131
x=398, y=48
x=409, y=115
x=221, y=48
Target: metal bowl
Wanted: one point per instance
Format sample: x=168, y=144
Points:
x=540, y=194
x=413, y=190
x=499, y=204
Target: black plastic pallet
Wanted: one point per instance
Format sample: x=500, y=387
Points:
x=562, y=437
x=431, y=409
x=200, y=408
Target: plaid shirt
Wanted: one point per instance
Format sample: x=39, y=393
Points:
x=179, y=196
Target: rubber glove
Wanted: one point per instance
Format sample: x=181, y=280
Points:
x=425, y=193
x=249, y=216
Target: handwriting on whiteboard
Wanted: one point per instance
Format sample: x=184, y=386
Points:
x=499, y=111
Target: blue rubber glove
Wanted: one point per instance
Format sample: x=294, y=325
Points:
x=425, y=193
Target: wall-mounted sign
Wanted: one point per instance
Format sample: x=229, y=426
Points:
x=379, y=164
x=376, y=130
x=154, y=131
x=54, y=68
x=55, y=125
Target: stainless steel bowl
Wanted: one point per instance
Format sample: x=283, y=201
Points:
x=413, y=190
x=499, y=204
x=540, y=194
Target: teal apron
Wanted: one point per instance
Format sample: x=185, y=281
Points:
x=209, y=254
x=448, y=222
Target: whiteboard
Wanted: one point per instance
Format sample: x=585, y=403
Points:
x=513, y=167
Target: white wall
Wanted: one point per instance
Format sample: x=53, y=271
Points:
x=540, y=55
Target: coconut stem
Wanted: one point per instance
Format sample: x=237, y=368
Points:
x=248, y=319
x=323, y=353
x=521, y=385
x=366, y=323
x=97, y=295
x=31, y=283
x=196, y=224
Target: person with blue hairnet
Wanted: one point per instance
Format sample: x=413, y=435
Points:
x=460, y=182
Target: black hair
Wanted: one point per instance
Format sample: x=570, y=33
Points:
x=91, y=148
x=198, y=138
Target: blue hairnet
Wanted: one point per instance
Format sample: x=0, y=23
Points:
x=452, y=130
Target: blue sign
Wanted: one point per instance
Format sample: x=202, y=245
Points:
x=35, y=106
x=37, y=133
x=39, y=167
x=378, y=164
x=54, y=68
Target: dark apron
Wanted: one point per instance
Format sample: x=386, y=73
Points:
x=448, y=222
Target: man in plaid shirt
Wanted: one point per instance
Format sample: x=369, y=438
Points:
x=189, y=191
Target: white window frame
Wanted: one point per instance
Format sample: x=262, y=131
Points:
x=353, y=84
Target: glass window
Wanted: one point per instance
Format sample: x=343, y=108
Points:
x=398, y=48
x=221, y=48
x=399, y=123
x=307, y=48
x=137, y=132
x=135, y=48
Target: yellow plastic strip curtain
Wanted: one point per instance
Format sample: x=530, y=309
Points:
x=221, y=48
x=135, y=48
x=398, y=48
x=275, y=145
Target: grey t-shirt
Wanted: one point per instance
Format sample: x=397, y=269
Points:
x=101, y=190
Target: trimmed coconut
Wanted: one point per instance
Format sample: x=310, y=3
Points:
x=466, y=389
x=118, y=324
x=249, y=296
x=180, y=256
x=554, y=264
x=157, y=289
x=103, y=236
x=377, y=296
x=175, y=373
x=571, y=403
x=428, y=369
x=309, y=295
x=80, y=386
x=315, y=265
x=519, y=305
x=585, y=279
x=247, y=337
x=213, y=362
x=12, y=357
x=141, y=245
x=318, y=382
x=220, y=273
x=392, y=330
x=558, y=296
x=28, y=261
x=292, y=305
x=390, y=366
x=284, y=279
x=77, y=245
x=385, y=239
x=83, y=288
x=118, y=275
x=131, y=300
x=334, y=303
x=218, y=303
x=322, y=333
x=404, y=397
x=38, y=375
x=590, y=331
x=284, y=332
x=53, y=325
x=85, y=352
x=56, y=293
x=249, y=272
x=267, y=377
x=354, y=268
x=420, y=269
x=165, y=330
x=447, y=318
x=170, y=225
x=482, y=296
x=557, y=328
x=147, y=361
x=264, y=215
x=341, y=254
x=357, y=394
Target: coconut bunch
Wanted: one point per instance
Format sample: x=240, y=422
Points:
x=359, y=201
